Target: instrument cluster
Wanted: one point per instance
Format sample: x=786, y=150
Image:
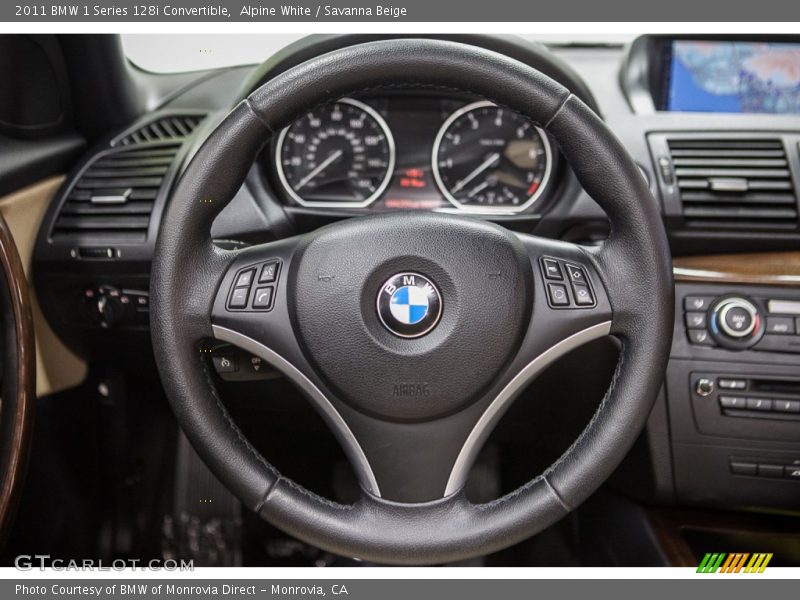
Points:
x=409, y=151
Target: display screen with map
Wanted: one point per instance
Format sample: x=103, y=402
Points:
x=737, y=77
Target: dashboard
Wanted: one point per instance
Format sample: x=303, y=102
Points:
x=725, y=175
x=413, y=151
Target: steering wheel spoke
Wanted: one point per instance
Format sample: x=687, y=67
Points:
x=251, y=301
x=252, y=310
x=570, y=294
x=571, y=308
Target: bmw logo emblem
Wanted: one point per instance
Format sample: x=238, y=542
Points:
x=409, y=305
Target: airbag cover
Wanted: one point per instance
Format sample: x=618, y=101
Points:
x=482, y=273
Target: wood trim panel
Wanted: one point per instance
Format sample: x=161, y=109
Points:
x=57, y=367
x=19, y=377
x=762, y=268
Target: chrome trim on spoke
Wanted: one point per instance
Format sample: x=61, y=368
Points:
x=349, y=442
x=481, y=430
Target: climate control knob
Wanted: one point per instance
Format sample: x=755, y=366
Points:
x=738, y=318
x=736, y=322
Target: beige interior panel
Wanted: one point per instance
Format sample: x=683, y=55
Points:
x=57, y=368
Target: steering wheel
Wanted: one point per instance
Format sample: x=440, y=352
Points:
x=412, y=333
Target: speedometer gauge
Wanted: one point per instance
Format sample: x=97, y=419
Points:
x=487, y=158
x=341, y=154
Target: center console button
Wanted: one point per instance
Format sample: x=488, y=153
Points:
x=760, y=404
x=743, y=468
x=695, y=320
x=786, y=406
x=780, y=325
x=704, y=387
x=699, y=337
x=775, y=471
x=732, y=384
x=697, y=302
x=736, y=322
x=732, y=402
x=784, y=307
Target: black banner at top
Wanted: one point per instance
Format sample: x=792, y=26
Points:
x=332, y=11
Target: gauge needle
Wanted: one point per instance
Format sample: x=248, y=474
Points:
x=477, y=189
x=477, y=171
x=334, y=156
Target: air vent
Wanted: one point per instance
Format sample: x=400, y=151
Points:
x=113, y=199
x=734, y=184
x=166, y=129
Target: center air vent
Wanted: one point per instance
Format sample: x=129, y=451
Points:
x=734, y=184
x=165, y=129
x=113, y=199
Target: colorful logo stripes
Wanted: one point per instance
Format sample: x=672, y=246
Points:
x=714, y=562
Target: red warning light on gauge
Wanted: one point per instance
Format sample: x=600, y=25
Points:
x=413, y=179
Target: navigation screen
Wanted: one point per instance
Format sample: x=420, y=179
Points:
x=734, y=77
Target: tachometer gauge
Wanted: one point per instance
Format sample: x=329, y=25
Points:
x=341, y=154
x=487, y=158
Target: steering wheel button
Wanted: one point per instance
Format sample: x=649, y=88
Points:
x=245, y=278
x=557, y=294
x=551, y=269
x=239, y=298
x=582, y=293
x=269, y=273
x=262, y=297
x=225, y=364
x=576, y=274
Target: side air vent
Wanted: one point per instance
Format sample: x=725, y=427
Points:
x=734, y=184
x=166, y=129
x=113, y=199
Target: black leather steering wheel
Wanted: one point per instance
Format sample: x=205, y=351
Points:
x=412, y=412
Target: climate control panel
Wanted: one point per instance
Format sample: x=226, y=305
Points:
x=741, y=322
